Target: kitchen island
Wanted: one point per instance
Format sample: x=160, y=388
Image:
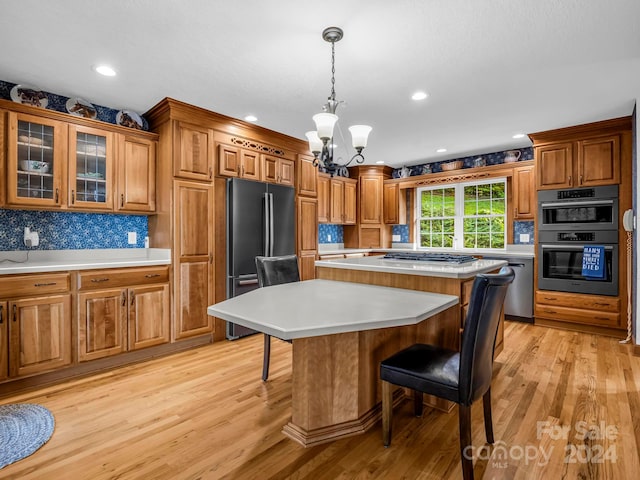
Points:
x=340, y=333
x=427, y=276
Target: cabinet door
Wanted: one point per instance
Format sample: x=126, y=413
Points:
x=307, y=213
x=149, y=318
x=193, y=155
x=36, y=160
x=371, y=199
x=193, y=258
x=102, y=317
x=555, y=163
x=136, y=174
x=250, y=165
x=324, y=199
x=524, y=193
x=336, y=214
x=40, y=334
x=391, y=203
x=270, y=168
x=599, y=161
x=307, y=177
x=4, y=342
x=228, y=160
x=286, y=172
x=91, y=159
x=350, y=189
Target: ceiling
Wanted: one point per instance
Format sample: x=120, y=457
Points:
x=492, y=68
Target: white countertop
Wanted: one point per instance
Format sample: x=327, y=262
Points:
x=427, y=269
x=512, y=251
x=38, y=261
x=323, y=307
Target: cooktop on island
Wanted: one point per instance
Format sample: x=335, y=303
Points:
x=430, y=257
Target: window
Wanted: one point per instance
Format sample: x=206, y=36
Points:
x=465, y=215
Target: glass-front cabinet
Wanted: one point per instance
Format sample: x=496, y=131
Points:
x=90, y=168
x=36, y=149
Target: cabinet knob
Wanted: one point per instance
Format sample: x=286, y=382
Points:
x=73, y=196
x=569, y=179
x=15, y=312
x=1, y=311
x=133, y=297
x=121, y=200
x=210, y=172
x=123, y=297
x=57, y=195
x=580, y=180
x=516, y=211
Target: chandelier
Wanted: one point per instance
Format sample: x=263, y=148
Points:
x=321, y=140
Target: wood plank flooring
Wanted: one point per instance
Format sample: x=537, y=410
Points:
x=565, y=405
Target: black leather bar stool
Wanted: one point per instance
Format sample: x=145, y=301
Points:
x=461, y=377
x=275, y=271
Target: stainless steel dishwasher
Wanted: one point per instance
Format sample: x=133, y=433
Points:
x=518, y=304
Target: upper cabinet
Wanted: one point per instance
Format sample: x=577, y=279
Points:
x=524, y=193
x=36, y=158
x=575, y=157
x=235, y=161
x=194, y=151
x=307, y=184
x=55, y=161
x=278, y=170
x=394, y=204
x=336, y=200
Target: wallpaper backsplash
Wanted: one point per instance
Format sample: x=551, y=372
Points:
x=65, y=231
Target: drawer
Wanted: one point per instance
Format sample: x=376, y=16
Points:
x=465, y=294
x=122, y=277
x=577, y=315
x=33, y=285
x=331, y=256
x=591, y=302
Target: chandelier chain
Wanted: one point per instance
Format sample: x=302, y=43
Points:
x=333, y=71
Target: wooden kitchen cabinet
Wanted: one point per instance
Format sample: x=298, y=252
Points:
x=136, y=175
x=250, y=165
x=36, y=160
x=350, y=194
x=193, y=283
x=239, y=162
x=37, y=323
x=575, y=157
x=4, y=341
x=91, y=167
x=336, y=213
x=121, y=310
x=307, y=213
x=371, y=191
x=193, y=151
x=524, y=193
x=278, y=170
x=324, y=198
x=307, y=175
x=596, y=310
x=394, y=204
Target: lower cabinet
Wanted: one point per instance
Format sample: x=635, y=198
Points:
x=132, y=316
x=4, y=342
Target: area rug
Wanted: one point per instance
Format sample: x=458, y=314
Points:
x=24, y=428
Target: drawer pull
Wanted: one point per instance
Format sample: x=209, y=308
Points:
x=549, y=311
x=121, y=200
x=1, y=311
x=151, y=275
x=124, y=298
x=550, y=298
x=15, y=313
x=602, y=304
x=602, y=318
x=133, y=298
x=44, y=284
x=99, y=280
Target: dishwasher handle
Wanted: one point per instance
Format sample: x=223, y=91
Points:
x=521, y=265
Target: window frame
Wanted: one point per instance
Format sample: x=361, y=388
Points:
x=458, y=239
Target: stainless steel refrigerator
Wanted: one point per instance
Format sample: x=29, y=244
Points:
x=260, y=221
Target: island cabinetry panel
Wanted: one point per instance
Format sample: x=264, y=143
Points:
x=582, y=156
x=115, y=320
x=524, y=193
x=58, y=162
x=193, y=258
x=193, y=151
x=4, y=341
x=36, y=323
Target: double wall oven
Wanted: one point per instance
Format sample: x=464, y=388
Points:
x=568, y=221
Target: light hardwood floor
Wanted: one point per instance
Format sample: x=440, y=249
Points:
x=205, y=414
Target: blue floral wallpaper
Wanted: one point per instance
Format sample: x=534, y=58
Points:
x=64, y=231
x=494, y=158
x=329, y=233
x=59, y=104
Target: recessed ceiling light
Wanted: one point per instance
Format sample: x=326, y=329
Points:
x=419, y=96
x=105, y=70
x=251, y=118
x=518, y=135
x=380, y=162
x=441, y=150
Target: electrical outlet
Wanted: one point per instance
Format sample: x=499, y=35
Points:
x=395, y=238
x=132, y=238
x=524, y=238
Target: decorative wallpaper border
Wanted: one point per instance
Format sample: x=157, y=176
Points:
x=70, y=230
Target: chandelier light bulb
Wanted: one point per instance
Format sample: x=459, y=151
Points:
x=359, y=135
x=324, y=125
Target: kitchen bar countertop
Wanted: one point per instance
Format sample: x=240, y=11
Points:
x=512, y=251
x=411, y=267
x=41, y=261
x=314, y=308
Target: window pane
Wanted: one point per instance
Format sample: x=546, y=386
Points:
x=497, y=190
x=483, y=225
x=448, y=225
x=436, y=240
x=484, y=207
x=484, y=191
x=498, y=207
x=497, y=225
x=484, y=241
x=448, y=241
x=425, y=240
x=469, y=225
x=469, y=240
x=436, y=226
x=469, y=192
x=497, y=241
x=425, y=203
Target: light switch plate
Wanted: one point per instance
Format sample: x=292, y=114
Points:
x=524, y=238
x=132, y=238
x=329, y=238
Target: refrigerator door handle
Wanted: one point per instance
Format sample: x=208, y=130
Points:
x=267, y=216
x=271, y=240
